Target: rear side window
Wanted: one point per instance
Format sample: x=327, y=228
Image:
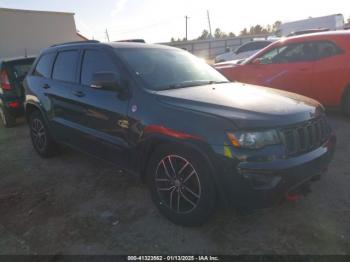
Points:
x=65, y=66
x=326, y=49
x=95, y=61
x=43, y=67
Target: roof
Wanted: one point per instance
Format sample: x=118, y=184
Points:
x=320, y=34
x=115, y=45
x=35, y=11
x=137, y=45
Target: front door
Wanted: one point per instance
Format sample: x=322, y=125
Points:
x=288, y=67
x=99, y=114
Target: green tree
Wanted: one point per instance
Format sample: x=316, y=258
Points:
x=218, y=33
x=276, y=25
x=244, y=32
x=204, y=35
x=231, y=34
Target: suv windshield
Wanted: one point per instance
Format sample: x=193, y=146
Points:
x=162, y=69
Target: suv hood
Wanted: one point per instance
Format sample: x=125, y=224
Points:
x=248, y=106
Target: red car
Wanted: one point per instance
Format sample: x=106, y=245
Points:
x=315, y=65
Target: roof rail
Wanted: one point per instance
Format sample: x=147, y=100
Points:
x=77, y=42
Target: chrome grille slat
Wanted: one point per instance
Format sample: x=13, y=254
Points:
x=305, y=137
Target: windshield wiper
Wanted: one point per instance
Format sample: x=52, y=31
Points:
x=192, y=83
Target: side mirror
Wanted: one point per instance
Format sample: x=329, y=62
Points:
x=256, y=61
x=107, y=81
x=227, y=49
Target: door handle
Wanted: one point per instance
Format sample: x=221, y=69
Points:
x=304, y=69
x=46, y=86
x=78, y=93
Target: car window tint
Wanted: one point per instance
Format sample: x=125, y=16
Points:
x=252, y=46
x=95, y=61
x=19, y=69
x=43, y=67
x=245, y=48
x=65, y=66
x=289, y=54
x=326, y=49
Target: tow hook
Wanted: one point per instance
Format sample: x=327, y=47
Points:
x=296, y=194
x=292, y=197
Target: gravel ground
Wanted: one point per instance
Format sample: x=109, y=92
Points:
x=75, y=204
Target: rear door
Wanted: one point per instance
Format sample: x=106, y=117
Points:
x=331, y=72
x=288, y=67
x=17, y=71
x=59, y=92
x=100, y=115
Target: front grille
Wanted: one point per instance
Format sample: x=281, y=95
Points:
x=305, y=137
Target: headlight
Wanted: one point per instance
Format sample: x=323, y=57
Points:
x=254, y=140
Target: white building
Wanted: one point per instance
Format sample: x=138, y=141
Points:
x=26, y=32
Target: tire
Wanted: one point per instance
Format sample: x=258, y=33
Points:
x=6, y=118
x=41, y=138
x=181, y=185
x=346, y=102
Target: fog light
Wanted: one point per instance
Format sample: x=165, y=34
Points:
x=262, y=181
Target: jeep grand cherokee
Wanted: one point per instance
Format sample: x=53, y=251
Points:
x=197, y=139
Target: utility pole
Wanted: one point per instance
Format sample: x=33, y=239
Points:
x=209, y=24
x=186, y=18
x=107, y=35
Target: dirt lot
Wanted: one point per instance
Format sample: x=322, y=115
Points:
x=75, y=204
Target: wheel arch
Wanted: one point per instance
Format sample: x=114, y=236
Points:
x=200, y=148
x=30, y=108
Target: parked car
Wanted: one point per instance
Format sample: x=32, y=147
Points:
x=12, y=73
x=314, y=65
x=244, y=51
x=160, y=112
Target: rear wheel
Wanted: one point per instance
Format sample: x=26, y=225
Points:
x=181, y=185
x=6, y=118
x=41, y=138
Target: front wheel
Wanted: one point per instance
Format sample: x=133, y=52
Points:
x=181, y=185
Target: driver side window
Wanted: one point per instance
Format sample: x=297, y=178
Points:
x=95, y=61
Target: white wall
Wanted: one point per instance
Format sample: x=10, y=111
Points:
x=31, y=31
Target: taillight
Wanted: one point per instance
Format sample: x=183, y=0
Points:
x=4, y=81
x=13, y=104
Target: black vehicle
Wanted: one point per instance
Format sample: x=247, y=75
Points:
x=12, y=73
x=160, y=112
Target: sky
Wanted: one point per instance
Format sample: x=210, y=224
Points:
x=159, y=20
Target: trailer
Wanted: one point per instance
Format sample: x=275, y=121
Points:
x=330, y=22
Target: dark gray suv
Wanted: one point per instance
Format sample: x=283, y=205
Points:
x=196, y=139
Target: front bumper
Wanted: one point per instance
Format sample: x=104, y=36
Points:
x=265, y=184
